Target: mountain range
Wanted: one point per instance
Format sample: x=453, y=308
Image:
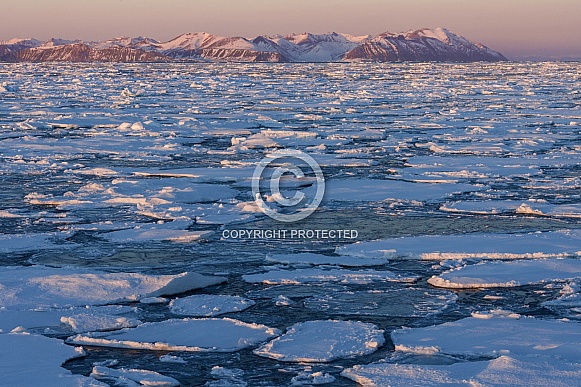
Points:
x=425, y=44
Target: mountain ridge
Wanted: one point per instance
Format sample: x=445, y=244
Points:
x=424, y=44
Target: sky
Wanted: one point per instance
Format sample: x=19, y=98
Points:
x=520, y=29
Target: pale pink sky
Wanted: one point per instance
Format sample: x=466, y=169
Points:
x=517, y=28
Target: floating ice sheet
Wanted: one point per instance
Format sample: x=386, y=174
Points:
x=323, y=341
x=33, y=360
x=206, y=305
x=407, y=302
x=508, y=274
x=494, y=334
x=316, y=275
x=486, y=246
x=514, y=207
x=505, y=370
x=141, y=377
x=193, y=335
x=42, y=287
x=96, y=318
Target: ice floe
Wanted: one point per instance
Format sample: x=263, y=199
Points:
x=314, y=275
x=193, y=335
x=323, y=341
x=502, y=371
x=34, y=360
x=405, y=302
x=206, y=305
x=487, y=246
x=508, y=274
x=43, y=287
x=493, y=334
x=537, y=208
x=525, y=351
x=98, y=322
x=120, y=376
x=312, y=379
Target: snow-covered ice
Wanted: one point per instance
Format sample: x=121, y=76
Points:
x=206, y=305
x=502, y=371
x=487, y=246
x=128, y=173
x=120, y=376
x=323, y=341
x=405, y=302
x=494, y=334
x=317, y=275
x=312, y=379
x=34, y=360
x=193, y=335
x=43, y=287
x=508, y=274
x=525, y=351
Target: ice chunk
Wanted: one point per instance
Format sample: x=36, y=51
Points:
x=208, y=334
x=323, y=341
x=87, y=322
x=37, y=286
x=172, y=359
x=17, y=242
x=170, y=231
x=407, y=302
x=508, y=274
x=487, y=246
x=502, y=371
x=311, y=379
x=142, y=377
x=301, y=276
x=494, y=335
x=206, y=305
x=33, y=360
x=39, y=318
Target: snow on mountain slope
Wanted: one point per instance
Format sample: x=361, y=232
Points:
x=425, y=44
x=422, y=45
x=318, y=48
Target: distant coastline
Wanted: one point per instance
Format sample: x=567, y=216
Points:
x=423, y=45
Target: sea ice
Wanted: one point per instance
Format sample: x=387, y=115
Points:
x=486, y=246
x=34, y=287
x=206, y=305
x=314, y=275
x=503, y=371
x=87, y=322
x=508, y=274
x=193, y=335
x=406, y=302
x=34, y=360
x=312, y=379
x=494, y=334
x=141, y=377
x=323, y=341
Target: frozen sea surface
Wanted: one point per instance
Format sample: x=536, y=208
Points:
x=118, y=178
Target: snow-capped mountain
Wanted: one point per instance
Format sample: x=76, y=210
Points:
x=420, y=45
x=415, y=45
